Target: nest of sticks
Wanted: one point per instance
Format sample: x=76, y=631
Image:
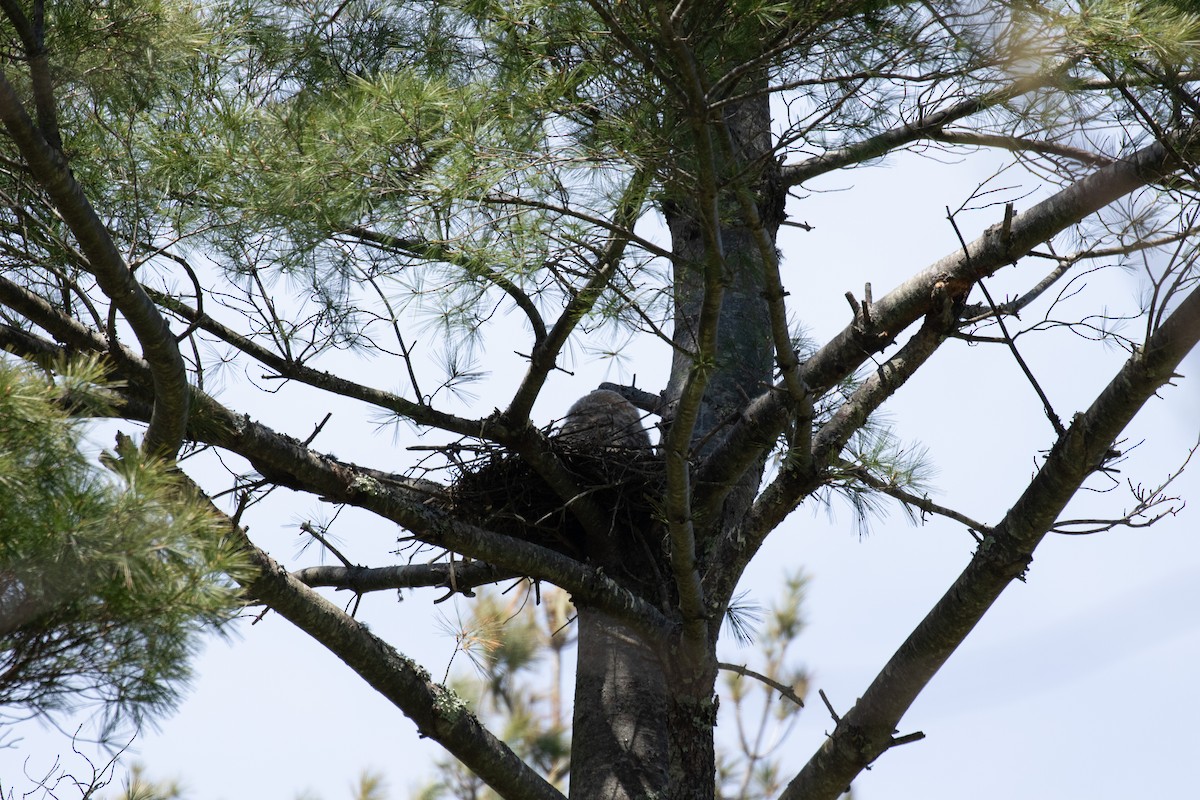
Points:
x=500, y=491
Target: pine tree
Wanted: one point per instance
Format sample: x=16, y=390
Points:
x=275, y=185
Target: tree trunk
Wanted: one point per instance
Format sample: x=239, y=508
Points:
x=620, y=725
x=644, y=721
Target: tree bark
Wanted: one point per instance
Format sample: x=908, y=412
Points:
x=620, y=730
x=644, y=717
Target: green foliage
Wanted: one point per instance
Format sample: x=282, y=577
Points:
x=443, y=162
x=106, y=580
x=1124, y=31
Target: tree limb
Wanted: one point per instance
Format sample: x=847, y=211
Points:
x=167, y=370
x=544, y=354
x=865, y=732
x=766, y=416
x=288, y=462
x=793, y=484
x=458, y=576
x=294, y=370
x=438, y=713
x=883, y=143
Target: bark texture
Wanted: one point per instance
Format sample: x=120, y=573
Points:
x=619, y=730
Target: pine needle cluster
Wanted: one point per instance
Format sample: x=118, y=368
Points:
x=106, y=577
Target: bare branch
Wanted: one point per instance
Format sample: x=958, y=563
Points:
x=1055, y=422
x=784, y=690
x=979, y=312
x=296, y=370
x=457, y=576
x=866, y=731
x=436, y=710
x=766, y=416
x=1148, y=507
x=792, y=485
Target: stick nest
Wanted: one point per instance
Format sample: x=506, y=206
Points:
x=501, y=492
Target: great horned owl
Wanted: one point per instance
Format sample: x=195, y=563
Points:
x=604, y=420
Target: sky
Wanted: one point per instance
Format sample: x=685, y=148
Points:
x=1079, y=682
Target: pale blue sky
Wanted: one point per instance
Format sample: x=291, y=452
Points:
x=1080, y=683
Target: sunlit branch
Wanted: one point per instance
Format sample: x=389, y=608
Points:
x=457, y=576
x=1008, y=340
x=766, y=416
x=1133, y=247
x=650, y=402
x=866, y=731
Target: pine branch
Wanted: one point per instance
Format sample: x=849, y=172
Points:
x=457, y=576
x=437, y=711
x=167, y=370
x=866, y=731
x=767, y=415
x=287, y=462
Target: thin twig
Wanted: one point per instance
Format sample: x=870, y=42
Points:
x=308, y=528
x=908, y=498
x=829, y=705
x=1012, y=346
x=784, y=690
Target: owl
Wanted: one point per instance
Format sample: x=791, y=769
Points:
x=604, y=420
